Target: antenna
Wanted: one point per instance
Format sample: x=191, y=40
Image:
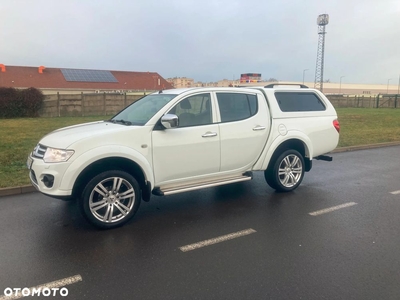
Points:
x=322, y=21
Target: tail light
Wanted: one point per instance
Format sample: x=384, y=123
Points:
x=336, y=125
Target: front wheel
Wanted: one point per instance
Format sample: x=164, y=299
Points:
x=287, y=172
x=110, y=199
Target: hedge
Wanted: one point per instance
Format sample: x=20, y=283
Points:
x=16, y=103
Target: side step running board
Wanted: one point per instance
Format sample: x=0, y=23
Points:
x=159, y=192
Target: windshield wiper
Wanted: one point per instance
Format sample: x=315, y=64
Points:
x=121, y=122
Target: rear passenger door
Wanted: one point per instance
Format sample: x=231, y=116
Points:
x=244, y=128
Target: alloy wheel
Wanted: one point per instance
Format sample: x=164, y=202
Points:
x=112, y=199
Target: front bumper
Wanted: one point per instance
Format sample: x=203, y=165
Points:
x=39, y=172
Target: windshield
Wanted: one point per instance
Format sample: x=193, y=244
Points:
x=142, y=110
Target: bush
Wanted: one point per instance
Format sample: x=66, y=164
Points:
x=33, y=102
x=7, y=96
x=20, y=103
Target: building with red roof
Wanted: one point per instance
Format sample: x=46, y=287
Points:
x=65, y=80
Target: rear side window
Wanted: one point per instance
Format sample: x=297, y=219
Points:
x=235, y=107
x=291, y=101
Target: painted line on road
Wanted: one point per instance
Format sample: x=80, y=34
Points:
x=330, y=209
x=395, y=192
x=216, y=240
x=54, y=284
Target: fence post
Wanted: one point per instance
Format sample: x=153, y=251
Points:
x=377, y=101
x=124, y=100
x=395, y=101
x=58, y=104
x=104, y=103
x=82, y=105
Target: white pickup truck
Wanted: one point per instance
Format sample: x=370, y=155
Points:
x=181, y=140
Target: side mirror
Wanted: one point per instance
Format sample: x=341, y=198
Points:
x=170, y=121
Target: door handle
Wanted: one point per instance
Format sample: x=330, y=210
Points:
x=209, y=134
x=258, y=127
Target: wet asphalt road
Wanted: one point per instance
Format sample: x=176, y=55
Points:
x=350, y=253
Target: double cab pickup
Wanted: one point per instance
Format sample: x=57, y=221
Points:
x=180, y=140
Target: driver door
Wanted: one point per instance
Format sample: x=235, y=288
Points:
x=192, y=149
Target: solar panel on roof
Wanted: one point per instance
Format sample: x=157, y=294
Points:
x=88, y=75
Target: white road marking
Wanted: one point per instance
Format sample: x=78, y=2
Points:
x=327, y=210
x=55, y=284
x=216, y=240
x=395, y=192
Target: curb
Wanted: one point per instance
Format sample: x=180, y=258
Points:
x=365, y=147
x=17, y=190
x=30, y=189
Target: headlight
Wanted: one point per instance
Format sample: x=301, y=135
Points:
x=57, y=155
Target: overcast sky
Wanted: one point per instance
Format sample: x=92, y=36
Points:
x=206, y=40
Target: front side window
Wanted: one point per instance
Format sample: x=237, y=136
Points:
x=141, y=111
x=236, y=106
x=292, y=101
x=194, y=110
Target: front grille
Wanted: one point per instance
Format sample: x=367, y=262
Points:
x=39, y=151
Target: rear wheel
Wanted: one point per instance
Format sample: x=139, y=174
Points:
x=287, y=172
x=110, y=199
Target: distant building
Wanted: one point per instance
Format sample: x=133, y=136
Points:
x=181, y=82
x=65, y=80
x=329, y=87
x=250, y=77
x=205, y=84
x=227, y=82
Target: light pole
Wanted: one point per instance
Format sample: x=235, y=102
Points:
x=340, y=85
x=387, y=90
x=303, y=74
x=322, y=21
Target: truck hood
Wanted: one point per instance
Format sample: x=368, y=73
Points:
x=64, y=137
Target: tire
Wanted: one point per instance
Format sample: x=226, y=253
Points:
x=287, y=172
x=110, y=199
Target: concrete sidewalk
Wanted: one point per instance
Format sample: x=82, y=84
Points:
x=29, y=188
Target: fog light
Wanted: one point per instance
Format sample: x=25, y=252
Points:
x=48, y=180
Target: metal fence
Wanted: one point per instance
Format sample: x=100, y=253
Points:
x=378, y=101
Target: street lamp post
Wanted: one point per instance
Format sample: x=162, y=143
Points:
x=387, y=90
x=303, y=74
x=398, y=86
x=340, y=85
